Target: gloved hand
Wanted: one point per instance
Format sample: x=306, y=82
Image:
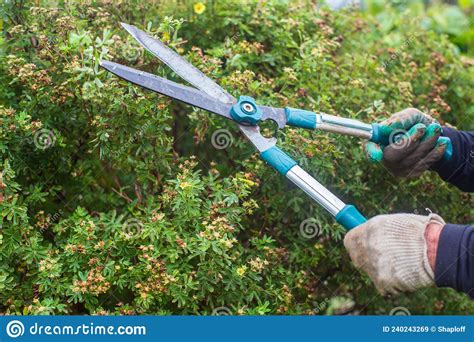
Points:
x=393, y=251
x=416, y=150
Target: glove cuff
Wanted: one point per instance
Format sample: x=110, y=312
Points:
x=406, y=246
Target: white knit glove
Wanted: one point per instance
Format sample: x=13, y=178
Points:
x=392, y=250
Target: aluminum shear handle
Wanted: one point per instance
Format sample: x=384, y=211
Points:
x=330, y=123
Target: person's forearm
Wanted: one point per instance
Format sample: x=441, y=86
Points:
x=454, y=261
x=432, y=233
x=459, y=171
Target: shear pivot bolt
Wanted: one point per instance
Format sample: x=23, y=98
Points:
x=248, y=108
x=245, y=111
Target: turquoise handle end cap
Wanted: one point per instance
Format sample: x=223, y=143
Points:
x=300, y=118
x=350, y=217
x=380, y=134
x=278, y=159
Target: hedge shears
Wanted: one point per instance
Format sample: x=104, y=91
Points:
x=245, y=112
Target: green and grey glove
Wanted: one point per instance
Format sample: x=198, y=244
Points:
x=414, y=150
x=393, y=251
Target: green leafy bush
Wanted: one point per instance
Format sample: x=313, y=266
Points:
x=454, y=21
x=115, y=200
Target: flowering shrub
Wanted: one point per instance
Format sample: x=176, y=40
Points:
x=115, y=200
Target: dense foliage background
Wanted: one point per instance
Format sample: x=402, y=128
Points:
x=116, y=200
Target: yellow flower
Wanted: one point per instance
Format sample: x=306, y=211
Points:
x=248, y=182
x=166, y=37
x=199, y=8
x=184, y=185
x=241, y=270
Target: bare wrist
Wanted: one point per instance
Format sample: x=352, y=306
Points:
x=432, y=234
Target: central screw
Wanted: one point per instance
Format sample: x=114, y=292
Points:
x=248, y=108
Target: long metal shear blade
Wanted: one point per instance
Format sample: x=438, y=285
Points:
x=210, y=95
x=187, y=95
x=194, y=76
x=169, y=88
x=179, y=65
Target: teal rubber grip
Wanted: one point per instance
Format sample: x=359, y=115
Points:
x=300, y=118
x=381, y=135
x=278, y=159
x=350, y=217
x=448, y=153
